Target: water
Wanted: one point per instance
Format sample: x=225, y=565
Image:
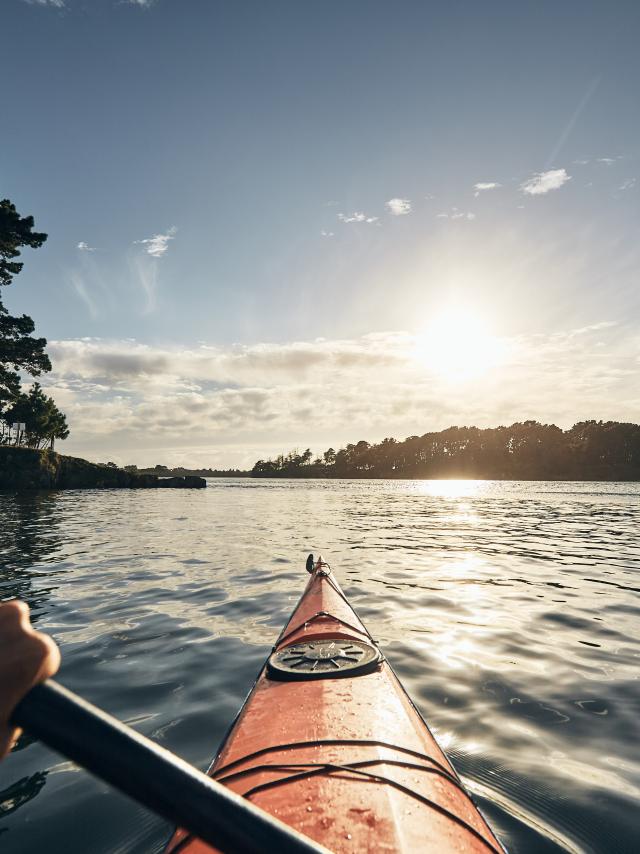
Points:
x=509, y=610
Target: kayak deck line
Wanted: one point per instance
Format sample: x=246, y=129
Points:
x=329, y=742
x=320, y=616
x=356, y=768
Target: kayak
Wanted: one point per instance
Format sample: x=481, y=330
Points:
x=329, y=742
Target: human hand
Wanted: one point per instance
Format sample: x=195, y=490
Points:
x=26, y=658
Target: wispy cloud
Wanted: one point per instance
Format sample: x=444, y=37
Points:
x=57, y=4
x=159, y=243
x=481, y=186
x=326, y=233
x=399, y=207
x=144, y=4
x=79, y=285
x=145, y=272
x=591, y=88
x=629, y=184
x=544, y=182
x=607, y=161
x=456, y=214
x=357, y=216
x=84, y=247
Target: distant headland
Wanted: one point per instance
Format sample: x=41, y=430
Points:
x=179, y=471
x=590, y=450
x=30, y=468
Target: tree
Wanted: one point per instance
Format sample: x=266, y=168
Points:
x=19, y=350
x=43, y=420
x=329, y=457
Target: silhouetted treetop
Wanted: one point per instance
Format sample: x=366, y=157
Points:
x=15, y=231
x=19, y=350
x=590, y=450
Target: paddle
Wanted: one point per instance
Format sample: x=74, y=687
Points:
x=152, y=775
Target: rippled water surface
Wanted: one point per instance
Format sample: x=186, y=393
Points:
x=510, y=611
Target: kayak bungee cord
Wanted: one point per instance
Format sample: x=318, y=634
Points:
x=153, y=776
x=295, y=771
x=329, y=741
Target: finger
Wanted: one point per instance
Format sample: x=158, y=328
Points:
x=49, y=657
x=30, y=658
x=14, y=614
x=8, y=738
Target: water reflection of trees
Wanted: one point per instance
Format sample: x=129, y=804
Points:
x=29, y=537
x=21, y=792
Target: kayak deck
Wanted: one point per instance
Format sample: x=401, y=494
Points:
x=329, y=742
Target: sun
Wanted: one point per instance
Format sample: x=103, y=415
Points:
x=456, y=346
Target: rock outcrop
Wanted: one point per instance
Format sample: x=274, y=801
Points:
x=26, y=468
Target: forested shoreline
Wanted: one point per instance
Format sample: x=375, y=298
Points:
x=590, y=450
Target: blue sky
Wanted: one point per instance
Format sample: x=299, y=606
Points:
x=224, y=184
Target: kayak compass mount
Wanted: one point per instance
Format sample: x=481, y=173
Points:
x=329, y=658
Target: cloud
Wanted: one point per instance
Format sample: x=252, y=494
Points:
x=325, y=233
x=84, y=247
x=135, y=397
x=629, y=184
x=159, y=243
x=144, y=4
x=608, y=161
x=456, y=214
x=357, y=216
x=485, y=185
x=145, y=272
x=398, y=207
x=80, y=287
x=57, y=4
x=544, y=182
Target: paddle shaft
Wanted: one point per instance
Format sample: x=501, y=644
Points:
x=152, y=775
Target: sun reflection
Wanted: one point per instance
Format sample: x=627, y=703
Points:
x=451, y=488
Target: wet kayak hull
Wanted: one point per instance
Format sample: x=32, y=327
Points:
x=329, y=742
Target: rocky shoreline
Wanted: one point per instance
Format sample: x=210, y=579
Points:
x=26, y=468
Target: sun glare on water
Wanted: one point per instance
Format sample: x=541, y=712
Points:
x=457, y=346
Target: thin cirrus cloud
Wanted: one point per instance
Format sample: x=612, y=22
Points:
x=57, y=4
x=81, y=288
x=357, y=216
x=483, y=186
x=87, y=280
x=159, y=243
x=544, y=182
x=398, y=207
x=456, y=214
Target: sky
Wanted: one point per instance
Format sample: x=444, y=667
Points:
x=282, y=224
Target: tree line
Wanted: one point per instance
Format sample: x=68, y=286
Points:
x=39, y=421
x=590, y=450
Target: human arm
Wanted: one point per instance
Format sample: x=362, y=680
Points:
x=26, y=658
